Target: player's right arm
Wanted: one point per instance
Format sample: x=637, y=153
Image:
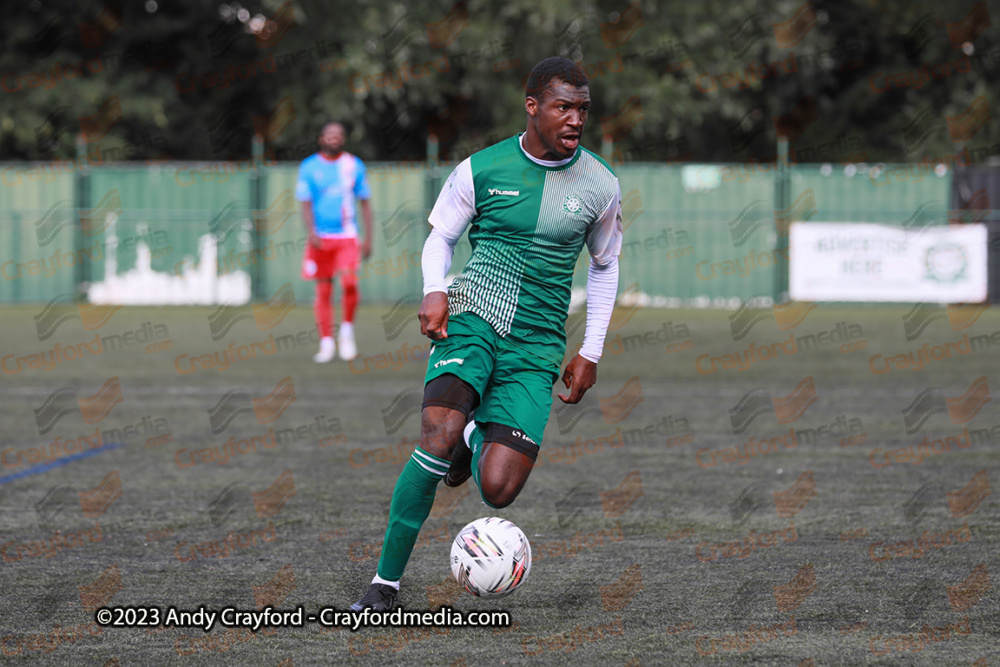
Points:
x=303, y=192
x=604, y=240
x=453, y=212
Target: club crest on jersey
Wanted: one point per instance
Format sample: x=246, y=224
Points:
x=508, y=193
x=572, y=205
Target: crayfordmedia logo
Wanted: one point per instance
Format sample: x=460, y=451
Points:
x=849, y=337
x=568, y=548
x=786, y=409
x=49, y=547
x=744, y=641
x=964, y=501
x=673, y=430
x=917, y=642
x=393, y=455
x=616, y=595
x=226, y=547
x=64, y=402
x=960, y=409
x=265, y=316
x=265, y=410
x=220, y=360
x=48, y=641
x=754, y=542
x=790, y=502
x=154, y=429
x=883, y=551
x=579, y=448
x=917, y=454
x=617, y=501
x=791, y=595
x=274, y=592
x=393, y=360
x=960, y=316
x=269, y=502
x=48, y=360
x=360, y=551
x=573, y=639
x=965, y=595
x=676, y=338
x=220, y=455
x=743, y=454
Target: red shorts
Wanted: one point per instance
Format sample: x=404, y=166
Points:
x=333, y=256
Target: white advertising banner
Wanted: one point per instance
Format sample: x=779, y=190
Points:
x=865, y=262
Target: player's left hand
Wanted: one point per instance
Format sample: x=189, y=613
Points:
x=366, y=249
x=579, y=376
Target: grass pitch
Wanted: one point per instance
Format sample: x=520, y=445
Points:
x=773, y=487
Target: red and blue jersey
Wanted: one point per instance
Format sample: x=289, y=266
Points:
x=333, y=187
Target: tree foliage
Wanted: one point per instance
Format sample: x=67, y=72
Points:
x=707, y=81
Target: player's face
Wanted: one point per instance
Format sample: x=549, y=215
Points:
x=559, y=118
x=331, y=141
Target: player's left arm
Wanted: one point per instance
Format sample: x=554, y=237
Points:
x=366, y=215
x=604, y=241
x=364, y=193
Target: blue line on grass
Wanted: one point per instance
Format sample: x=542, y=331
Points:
x=44, y=467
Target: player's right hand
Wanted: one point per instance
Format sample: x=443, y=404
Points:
x=314, y=240
x=433, y=315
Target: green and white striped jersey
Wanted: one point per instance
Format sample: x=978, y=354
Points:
x=529, y=221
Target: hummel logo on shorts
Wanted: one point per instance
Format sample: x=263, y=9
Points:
x=445, y=362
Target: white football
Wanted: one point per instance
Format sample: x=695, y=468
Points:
x=490, y=557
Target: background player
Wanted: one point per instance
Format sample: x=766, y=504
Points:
x=533, y=201
x=329, y=184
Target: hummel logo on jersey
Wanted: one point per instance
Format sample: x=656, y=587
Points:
x=509, y=193
x=445, y=362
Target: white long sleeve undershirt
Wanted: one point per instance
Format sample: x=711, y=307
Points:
x=436, y=260
x=602, y=288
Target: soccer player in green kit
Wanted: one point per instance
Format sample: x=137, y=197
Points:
x=532, y=201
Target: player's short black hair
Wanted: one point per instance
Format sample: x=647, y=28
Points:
x=328, y=123
x=554, y=68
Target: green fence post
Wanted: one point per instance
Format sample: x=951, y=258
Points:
x=782, y=202
x=432, y=172
x=607, y=148
x=257, y=183
x=15, y=246
x=81, y=193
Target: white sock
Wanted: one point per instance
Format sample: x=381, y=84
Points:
x=326, y=341
x=467, y=433
x=380, y=580
x=347, y=328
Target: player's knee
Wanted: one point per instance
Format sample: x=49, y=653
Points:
x=349, y=281
x=498, y=493
x=439, y=436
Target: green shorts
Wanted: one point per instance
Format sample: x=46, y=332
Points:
x=513, y=376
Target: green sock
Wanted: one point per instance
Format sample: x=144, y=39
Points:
x=476, y=445
x=411, y=503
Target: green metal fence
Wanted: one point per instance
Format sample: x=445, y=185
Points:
x=226, y=232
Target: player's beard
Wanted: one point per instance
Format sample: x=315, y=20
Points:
x=559, y=147
x=557, y=150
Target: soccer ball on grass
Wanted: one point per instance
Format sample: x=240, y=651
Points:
x=490, y=557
